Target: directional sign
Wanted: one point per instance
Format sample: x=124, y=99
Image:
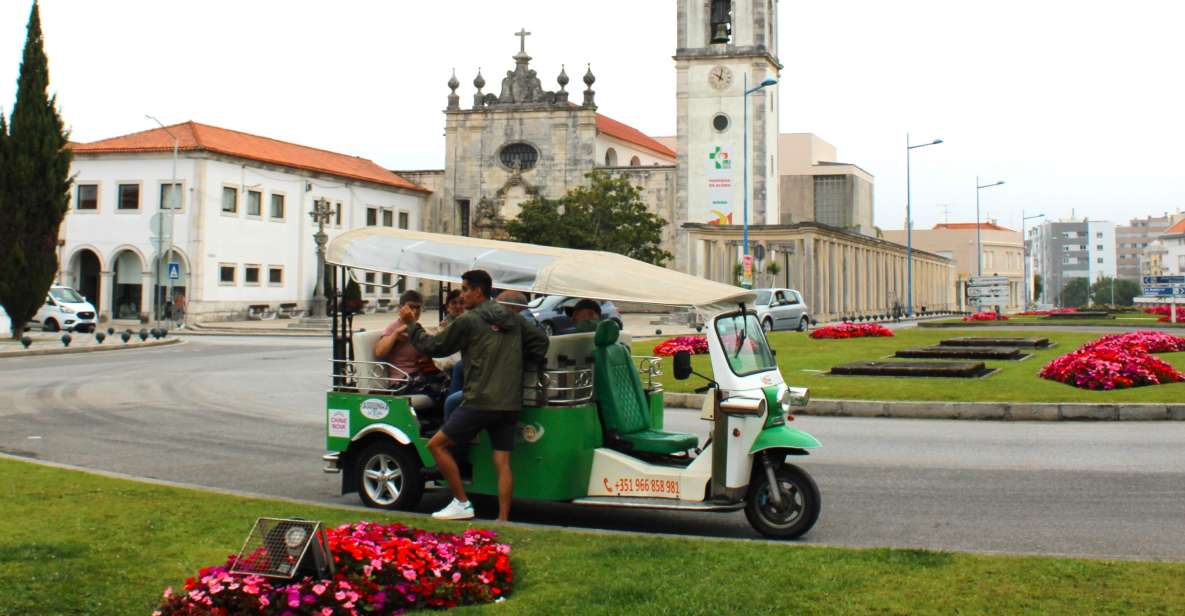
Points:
x=1164, y=291
x=987, y=293
x=174, y=271
x=1158, y=280
x=987, y=281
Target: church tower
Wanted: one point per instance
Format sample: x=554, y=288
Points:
x=724, y=45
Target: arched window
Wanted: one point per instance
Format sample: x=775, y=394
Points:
x=610, y=157
x=635, y=161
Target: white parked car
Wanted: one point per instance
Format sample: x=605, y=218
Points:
x=781, y=309
x=65, y=308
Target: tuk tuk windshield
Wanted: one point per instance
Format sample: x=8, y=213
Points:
x=744, y=344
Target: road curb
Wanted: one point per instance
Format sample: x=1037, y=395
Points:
x=90, y=349
x=998, y=411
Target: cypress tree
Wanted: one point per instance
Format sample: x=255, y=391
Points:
x=36, y=185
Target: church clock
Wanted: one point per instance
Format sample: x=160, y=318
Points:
x=720, y=77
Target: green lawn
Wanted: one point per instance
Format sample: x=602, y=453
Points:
x=75, y=543
x=804, y=362
x=1125, y=319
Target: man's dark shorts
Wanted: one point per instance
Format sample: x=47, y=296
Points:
x=465, y=423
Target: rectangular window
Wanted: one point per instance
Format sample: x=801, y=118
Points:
x=129, y=196
x=386, y=284
x=1099, y=235
x=370, y=281
x=404, y=220
x=170, y=196
x=88, y=197
x=1099, y=260
x=388, y=218
x=1098, y=247
x=226, y=274
x=254, y=203
x=1181, y=263
x=337, y=215
x=230, y=199
x=275, y=276
x=251, y=274
x=372, y=216
x=277, y=207
x=463, y=217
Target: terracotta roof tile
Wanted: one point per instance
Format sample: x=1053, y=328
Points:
x=1179, y=227
x=192, y=136
x=624, y=132
x=987, y=226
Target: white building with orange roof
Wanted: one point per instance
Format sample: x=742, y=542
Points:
x=239, y=223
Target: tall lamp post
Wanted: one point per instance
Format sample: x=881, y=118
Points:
x=174, y=197
x=1025, y=250
x=909, y=226
x=321, y=215
x=745, y=147
x=978, y=245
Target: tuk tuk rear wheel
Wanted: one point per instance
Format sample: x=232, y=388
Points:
x=389, y=477
x=801, y=503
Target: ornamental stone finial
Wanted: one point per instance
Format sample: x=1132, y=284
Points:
x=589, y=78
x=479, y=82
x=453, y=84
x=589, y=95
x=563, y=78
x=454, y=101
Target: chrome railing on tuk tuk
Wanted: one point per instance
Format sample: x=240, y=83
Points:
x=367, y=376
x=649, y=367
x=562, y=387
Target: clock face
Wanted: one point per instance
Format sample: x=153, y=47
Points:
x=720, y=77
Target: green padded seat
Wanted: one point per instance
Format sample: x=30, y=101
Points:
x=622, y=402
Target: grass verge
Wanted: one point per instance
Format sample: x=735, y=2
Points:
x=75, y=543
x=804, y=361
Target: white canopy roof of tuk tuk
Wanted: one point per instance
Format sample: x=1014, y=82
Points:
x=529, y=268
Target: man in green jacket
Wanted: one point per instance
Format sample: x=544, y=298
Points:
x=494, y=342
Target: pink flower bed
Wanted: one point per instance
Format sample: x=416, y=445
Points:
x=851, y=330
x=380, y=569
x=1166, y=313
x=696, y=345
x=985, y=316
x=1118, y=361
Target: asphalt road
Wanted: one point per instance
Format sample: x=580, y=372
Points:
x=247, y=414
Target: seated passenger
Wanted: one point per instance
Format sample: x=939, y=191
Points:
x=586, y=314
x=395, y=348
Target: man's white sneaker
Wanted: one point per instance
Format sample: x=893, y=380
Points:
x=455, y=510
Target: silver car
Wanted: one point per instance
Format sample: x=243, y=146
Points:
x=781, y=309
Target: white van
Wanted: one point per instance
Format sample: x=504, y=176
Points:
x=65, y=308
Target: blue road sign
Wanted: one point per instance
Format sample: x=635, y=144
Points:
x=1155, y=280
x=174, y=271
x=1164, y=291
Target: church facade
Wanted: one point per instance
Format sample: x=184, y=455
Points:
x=521, y=136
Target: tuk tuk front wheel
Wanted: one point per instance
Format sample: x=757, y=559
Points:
x=799, y=508
x=389, y=477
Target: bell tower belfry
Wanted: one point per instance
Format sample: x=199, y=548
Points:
x=726, y=47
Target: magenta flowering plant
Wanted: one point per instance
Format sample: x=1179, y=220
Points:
x=380, y=569
x=851, y=330
x=696, y=345
x=1118, y=361
x=985, y=316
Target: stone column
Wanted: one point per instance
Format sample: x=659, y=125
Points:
x=147, y=297
x=106, y=296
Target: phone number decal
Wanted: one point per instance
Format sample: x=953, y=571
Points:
x=643, y=485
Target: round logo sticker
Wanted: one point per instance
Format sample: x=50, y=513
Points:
x=531, y=433
x=374, y=408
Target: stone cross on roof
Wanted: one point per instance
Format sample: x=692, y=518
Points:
x=522, y=35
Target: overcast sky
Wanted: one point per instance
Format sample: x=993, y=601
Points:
x=1076, y=104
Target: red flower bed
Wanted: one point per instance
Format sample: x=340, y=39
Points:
x=985, y=316
x=697, y=345
x=1166, y=313
x=851, y=330
x=380, y=569
x=1118, y=361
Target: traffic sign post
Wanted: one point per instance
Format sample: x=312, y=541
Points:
x=987, y=290
x=174, y=271
x=1171, y=287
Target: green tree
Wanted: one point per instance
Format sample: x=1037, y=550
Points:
x=608, y=215
x=1075, y=292
x=1124, y=291
x=34, y=188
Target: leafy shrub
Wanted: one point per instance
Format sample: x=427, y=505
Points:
x=985, y=316
x=851, y=330
x=696, y=345
x=1118, y=361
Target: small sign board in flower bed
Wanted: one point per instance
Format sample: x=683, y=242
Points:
x=1032, y=342
x=380, y=569
x=1080, y=314
x=851, y=330
x=964, y=352
x=696, y=345
x=1118, y=362
x=956, y=369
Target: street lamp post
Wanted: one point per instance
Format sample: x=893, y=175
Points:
x=745, y=171
x=978, y=245
x=321, y=214
x=1024, y=250
x=909, y=226
x=163, y=255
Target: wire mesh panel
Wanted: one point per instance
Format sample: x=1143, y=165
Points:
x=282, y=548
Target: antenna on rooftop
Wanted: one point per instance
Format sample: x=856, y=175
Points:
x=945, y=207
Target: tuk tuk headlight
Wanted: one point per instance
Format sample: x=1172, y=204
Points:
x=794, y=396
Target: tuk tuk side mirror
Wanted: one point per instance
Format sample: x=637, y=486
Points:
x=682, y=362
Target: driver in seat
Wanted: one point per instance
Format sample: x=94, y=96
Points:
x=395, y=348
